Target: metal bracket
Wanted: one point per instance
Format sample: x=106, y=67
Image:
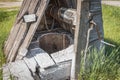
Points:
x=30, y=18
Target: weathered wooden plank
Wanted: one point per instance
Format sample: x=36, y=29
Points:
x=21, y=34
x=64, y=55
x=80, y=36
x=11, y=38
x=33, y=67
x=18, y=41
x=59, y=72
x=31, y=63
x=33, y=27
x=9, y=43
x=42, y=58
x=19, y=71
x=24, y=10
x=33, y=7
x=21, y=11
x=6, y=73
x=33, y=45
x=21, y=8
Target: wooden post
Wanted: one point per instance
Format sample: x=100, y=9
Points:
x=82, y=27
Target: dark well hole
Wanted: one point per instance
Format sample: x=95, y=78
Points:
x=53, y=42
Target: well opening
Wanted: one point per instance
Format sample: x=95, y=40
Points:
x=53, y=42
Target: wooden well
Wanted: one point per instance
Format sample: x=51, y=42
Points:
x=49, y=55
x=53, y=42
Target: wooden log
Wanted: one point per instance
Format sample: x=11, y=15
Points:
x=80, y=36
x=34, y=26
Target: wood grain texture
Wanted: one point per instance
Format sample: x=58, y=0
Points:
x=42, y=58
x=21, y=34
x=17, y=42
x=16, y=39
x=34, y=26
x=6, y=73
x=80, y=36
x=63, y=55
x=18, y=71
x=59, y=72
x=15, y=29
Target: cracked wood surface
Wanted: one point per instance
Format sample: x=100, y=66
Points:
x=34, y=66
x=24, y=32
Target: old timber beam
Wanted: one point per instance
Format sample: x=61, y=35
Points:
x=82, y=27
x=89, y=17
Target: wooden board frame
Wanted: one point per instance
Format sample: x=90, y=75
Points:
x=82, y=27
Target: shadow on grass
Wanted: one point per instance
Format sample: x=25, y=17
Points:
x=4, y=15
x=109, y=49
x=113, y=50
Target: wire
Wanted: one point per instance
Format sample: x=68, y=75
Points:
x=87, y=44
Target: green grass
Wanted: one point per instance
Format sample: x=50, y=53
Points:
x=111, y=19
x=6, y=22
x=99, y=66
x=105, y=68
